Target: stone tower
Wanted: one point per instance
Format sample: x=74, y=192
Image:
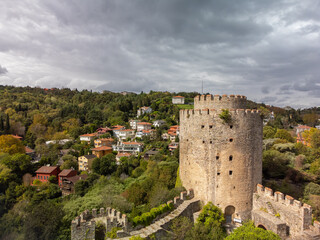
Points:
x=222, y=161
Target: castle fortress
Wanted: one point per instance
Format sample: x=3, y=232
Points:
x=222, y=161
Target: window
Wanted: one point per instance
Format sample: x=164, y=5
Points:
x=230, y=158
x=218, y=173
x=210, y=126
x=217, y=157
x=231, y=140
x=231, y=126
x=202, y=126
x=203, y=141
x=230, y=173
x=210, y=141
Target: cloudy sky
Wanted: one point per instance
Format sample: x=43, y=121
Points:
x=266, y=50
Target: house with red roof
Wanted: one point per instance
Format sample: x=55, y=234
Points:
x=88, y=137
x=302, y=128
x=65, y=173
x=68, y=183
x=143, y=126
x=101, y=151
x=143, y=110
x=178, y=100
x=103, y=142
x=45, y=172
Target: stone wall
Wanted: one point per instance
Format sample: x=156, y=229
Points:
x=83, y=226
x=279, y=213
x=220, y=102
x=221, y=161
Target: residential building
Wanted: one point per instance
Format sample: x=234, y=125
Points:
x=101, y=131
x=45, y=172
x=125, y=134
x=302, y=128
x=173, y=146
x=61, y=142
x=173, y=132
x=133, y=123
x=150, y=153
x=159, y=123
x=65, y=173
x=87, y=137
x=143, y=126
x=103, y=142
x=30, y=152
x=131, y=147
x=178, y=100
x=150, y=133
x=116, y=129
x=143, y=110
x=68, y=183
x=122, y=154
x=101, y=151
x=165, y=136
x=85, y=162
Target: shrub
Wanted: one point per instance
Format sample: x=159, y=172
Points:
x=225, y=115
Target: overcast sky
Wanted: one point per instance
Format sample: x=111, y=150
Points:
x=266, y=50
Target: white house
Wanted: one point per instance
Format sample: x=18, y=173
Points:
x=143, y=110
x=125, y=133
x=178, y=100
x=143, y=133
x=88, y=137
x=133, y=123
x=131, y=147
x=143, y=126
x=159, y=123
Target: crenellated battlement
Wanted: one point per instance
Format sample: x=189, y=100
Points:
x=220, y=102
x=186, y=114
x=287, y=200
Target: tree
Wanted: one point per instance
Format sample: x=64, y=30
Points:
x=105, y=165
x=284, y=134
x=310, y=119
x=269, y=132
x=249, y=232
x=18, y=163
x=312, y=137
x=11, y=145
x=43, y=221
x=180, y=228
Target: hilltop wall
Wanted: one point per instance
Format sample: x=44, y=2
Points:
x=220, y=102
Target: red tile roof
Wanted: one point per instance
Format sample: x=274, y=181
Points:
x=124, y=154
x=143, y=123
x=89, y=135
x=66, y=172
x=132, y=143
x=47, y=169
x=178, y=97
x=28, y=150
x=16, y=136
x=103, y=148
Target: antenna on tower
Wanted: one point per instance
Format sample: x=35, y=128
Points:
x=202, y=87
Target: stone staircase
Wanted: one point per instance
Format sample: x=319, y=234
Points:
x=188, y=207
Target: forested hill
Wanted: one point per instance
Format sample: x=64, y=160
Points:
x=37, y=112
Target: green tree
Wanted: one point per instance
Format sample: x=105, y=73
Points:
x=249, y=232
x=284, y=134
x=269, y=132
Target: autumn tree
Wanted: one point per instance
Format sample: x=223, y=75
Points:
x=11, y=145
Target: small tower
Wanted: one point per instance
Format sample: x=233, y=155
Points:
x=221, y=160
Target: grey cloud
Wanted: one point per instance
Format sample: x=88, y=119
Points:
x=256, y=48
x=3, y=70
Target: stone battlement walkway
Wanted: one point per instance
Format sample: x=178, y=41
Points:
x=187, y=208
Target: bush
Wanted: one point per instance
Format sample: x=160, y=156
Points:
x=225, y=115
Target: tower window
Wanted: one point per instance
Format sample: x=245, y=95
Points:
x=230, y=158
x=202, y=126
x=210, y=141
x=231, y=140
x=231, y=126
x=230, y=173
x=210, y=126
x=218, y=173
x=203, y=141
x=217, y=157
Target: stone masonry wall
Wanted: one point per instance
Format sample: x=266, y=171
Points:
x=221, y=161
x=83, y=227
x=220, y=102
x=281, y=210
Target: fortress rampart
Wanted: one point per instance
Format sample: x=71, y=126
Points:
x=282, y=214
x=83, y=226
x=220, y=102
x=222, y=161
